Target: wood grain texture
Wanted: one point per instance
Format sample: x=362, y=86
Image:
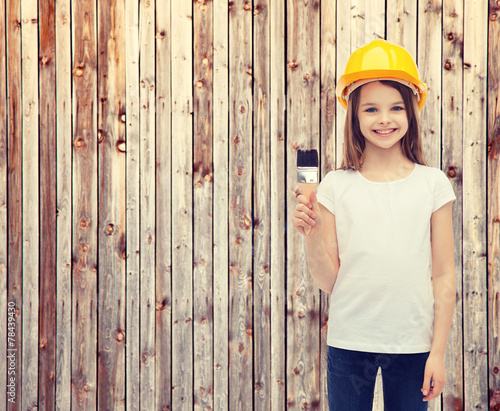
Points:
x=452, y=165
x=221, y=204
x=64, y=214
x=240, y=206
x=262, y=213
x=30, y=205
x=475, y=320
x=147, y=202
x=429, y=66
x=277, y=149
x=402, y=24
x=132, y=298
x=14, y=181
x=182, y=212
x=48, y=162
x=493, y=194
x=84, y=318
x=303, y=128
x=3, y=207
x=203, y=205
x=164, y=197
x=112, y=205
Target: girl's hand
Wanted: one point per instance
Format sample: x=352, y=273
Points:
x=307, y=214
x=435, y=371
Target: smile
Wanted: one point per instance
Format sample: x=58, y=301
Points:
x=386, y=131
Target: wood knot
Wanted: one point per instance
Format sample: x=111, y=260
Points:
x=293, y=65
x=84, y=224
x=204, y=61
x=199, y=84
x=242, y=109
x=110, y=229
x=120, y=336
x=79, y=143
x=79, y=72
x=247, y=6
x=448, y=66
x=493, y=17
x=452, y=173
x=450, y=36
x=121, y=146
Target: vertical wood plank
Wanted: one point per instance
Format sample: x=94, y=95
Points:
x=240, y=206
x=262, y=213
x=47, y=95
x=31, y=218
x=202, y=206
x=474, y=206
x=277, y=18
x=402, y=24
x=147, y=203
x=451, y=163
x=328, y=154
x=14, y=184
x=64, y=191
x=221, y=201
x=84, y=321
x=163, y=203
x=3, y=208
x=493, y=193
x=112, y=232
x=303, y=303
x=182, y=214
x=429, y=65
x=132, y=332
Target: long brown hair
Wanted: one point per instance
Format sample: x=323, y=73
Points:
x=354, y=141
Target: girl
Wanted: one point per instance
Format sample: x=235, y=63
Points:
x=381, y=241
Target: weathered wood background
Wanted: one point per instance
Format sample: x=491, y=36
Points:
x=147, y=166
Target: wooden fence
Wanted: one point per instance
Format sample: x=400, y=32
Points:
x=147, y=166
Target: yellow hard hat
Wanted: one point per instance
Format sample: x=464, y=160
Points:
x=380, y=60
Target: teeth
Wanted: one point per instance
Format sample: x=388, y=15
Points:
x=385, y=131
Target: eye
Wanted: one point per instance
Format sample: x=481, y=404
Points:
x=371, y=110
x=398, y=108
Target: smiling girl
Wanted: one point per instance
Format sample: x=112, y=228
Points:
x=381, y=241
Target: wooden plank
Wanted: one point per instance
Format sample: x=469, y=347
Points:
x=402, y=24
x=48, y=201
x=64, y=190
x=14, y=184
x=262, y=213
x=474, y=206
x=202, y=206
x=221, y=212
x=328, y=150
x=303, y=302
x=84, y=320
x=132, y=333
x=277, y=201
x=429, y=65
x=182, y=236
x=112, y=206
x=147, y=203
x=30, y=205
x=240, y=208
x=3, y=209
x=493, y=166
x=451, y=163
x=163, y=202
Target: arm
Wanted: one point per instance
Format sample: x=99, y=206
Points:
x=321, y=243
x=443, y=275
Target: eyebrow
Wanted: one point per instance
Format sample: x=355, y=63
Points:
x=374, y=104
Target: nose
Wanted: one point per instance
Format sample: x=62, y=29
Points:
x=384, y=117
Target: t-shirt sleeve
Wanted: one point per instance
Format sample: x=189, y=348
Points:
x=325, y=192
x=443, y=191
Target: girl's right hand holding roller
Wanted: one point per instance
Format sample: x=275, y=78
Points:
x=307, y=214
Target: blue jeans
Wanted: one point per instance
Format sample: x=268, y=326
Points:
x=352, y=374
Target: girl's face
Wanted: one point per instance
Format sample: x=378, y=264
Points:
x=382, y=115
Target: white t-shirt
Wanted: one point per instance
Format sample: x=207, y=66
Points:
x=382, y=300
